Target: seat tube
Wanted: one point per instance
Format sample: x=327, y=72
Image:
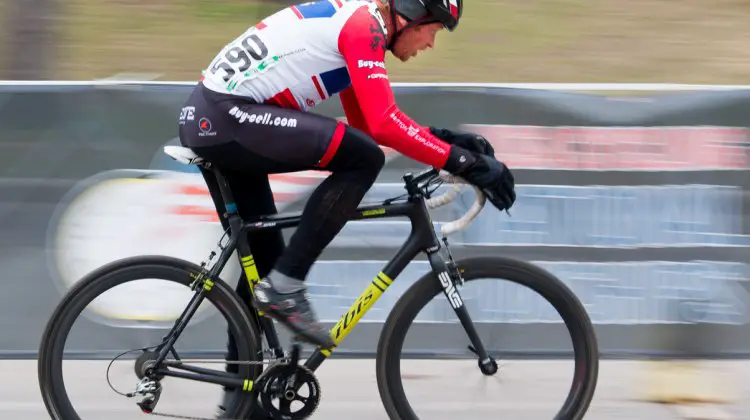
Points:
x=247, y=261
x=226, y=192
x=230, y=206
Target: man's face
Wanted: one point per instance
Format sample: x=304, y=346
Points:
x=415, y=39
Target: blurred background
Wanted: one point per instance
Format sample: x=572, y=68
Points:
x=687, y=41
x=635, y=195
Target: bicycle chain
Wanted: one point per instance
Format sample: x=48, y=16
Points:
x=179, y=416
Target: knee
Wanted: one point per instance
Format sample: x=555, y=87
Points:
x=375, y=158
x=370, y=156
x=360, y=153
x=371, y=161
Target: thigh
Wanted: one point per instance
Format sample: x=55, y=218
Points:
x=266, y=138
x=287, y=137
x=283, y=140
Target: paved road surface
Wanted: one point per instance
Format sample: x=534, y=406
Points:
x=349, y=391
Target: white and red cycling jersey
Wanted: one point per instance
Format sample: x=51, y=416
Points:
x=307, y=53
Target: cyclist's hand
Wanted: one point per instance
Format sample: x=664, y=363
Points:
x=469, y=141
x=487, y=173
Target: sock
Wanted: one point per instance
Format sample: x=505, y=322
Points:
x=285, y=284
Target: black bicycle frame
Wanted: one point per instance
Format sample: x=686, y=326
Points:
x=422, y=238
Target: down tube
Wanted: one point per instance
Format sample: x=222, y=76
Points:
x=364, y=302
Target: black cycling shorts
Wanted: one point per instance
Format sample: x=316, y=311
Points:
x=293, y=140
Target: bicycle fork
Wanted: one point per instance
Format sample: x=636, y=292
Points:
x=448, y=274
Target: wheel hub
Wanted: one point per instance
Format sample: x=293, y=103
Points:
x=145, y=363
x=488, y=367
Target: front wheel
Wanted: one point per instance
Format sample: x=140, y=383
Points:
x=438, y=396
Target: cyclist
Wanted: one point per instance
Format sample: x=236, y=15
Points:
x=249, y=115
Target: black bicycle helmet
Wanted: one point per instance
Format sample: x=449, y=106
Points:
x=419, y=12
x=447, y=12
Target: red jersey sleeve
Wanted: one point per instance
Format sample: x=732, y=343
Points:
x=362, y=44
x=352, y=111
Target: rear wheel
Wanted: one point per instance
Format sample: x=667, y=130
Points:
x=551, y=289
x=95, y=284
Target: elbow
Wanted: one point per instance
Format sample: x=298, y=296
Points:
x=378, y=132
x=382, y=135
x=382, y=128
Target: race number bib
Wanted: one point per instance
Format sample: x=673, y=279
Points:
x=242, y=59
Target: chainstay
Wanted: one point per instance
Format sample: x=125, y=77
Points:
x=280, y=361
x=222, y=362
x=179, y=416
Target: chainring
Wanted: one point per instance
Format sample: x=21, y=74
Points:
x=285, y=386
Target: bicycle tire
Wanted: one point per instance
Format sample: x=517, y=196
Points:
x=393, y=334
x=95, y=283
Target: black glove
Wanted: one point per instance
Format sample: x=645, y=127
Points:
x=469, y=141
x=486, y=172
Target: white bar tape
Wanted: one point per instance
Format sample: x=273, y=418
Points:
x=448, y=228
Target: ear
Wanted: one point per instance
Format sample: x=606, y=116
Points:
x=401, y=22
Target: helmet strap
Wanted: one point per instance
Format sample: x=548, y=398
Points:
x=396, y=33
x=394, y=22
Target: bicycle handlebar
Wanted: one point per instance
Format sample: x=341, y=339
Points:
x=448, y=228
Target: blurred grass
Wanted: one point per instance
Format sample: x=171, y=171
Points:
x=685, y=41
x=3, y=32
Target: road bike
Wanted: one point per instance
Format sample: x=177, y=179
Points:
x=267, y=388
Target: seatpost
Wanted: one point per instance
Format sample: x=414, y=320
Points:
x=226, y=195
